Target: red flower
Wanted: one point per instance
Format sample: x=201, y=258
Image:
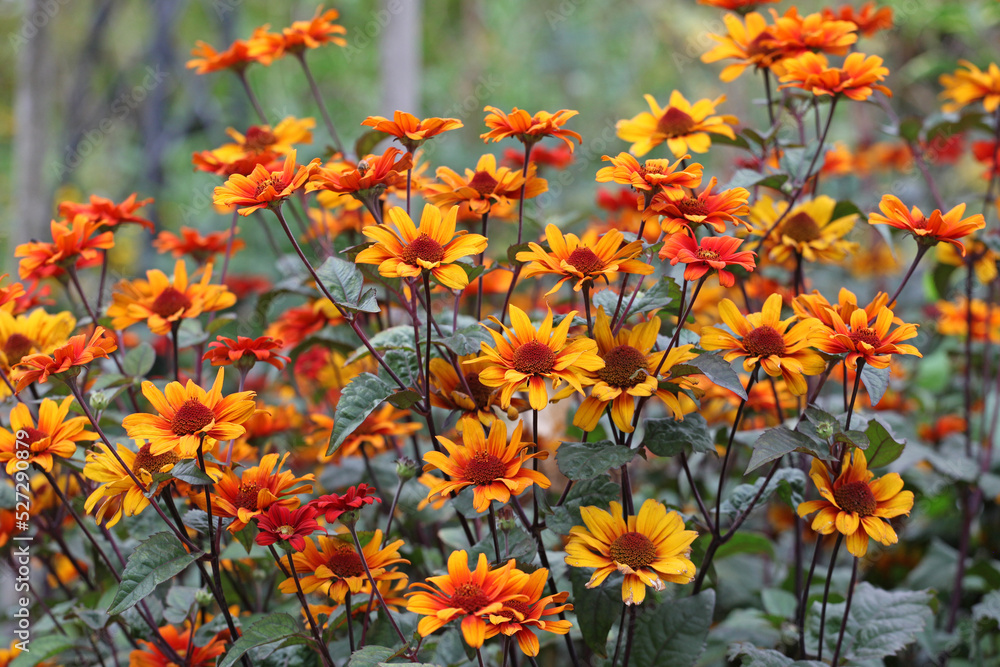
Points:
x=106, y=212
x=191, y=242
x=355, y=498
x=279, y=523
x=559, y=157
x=78, y=351
x=74, y=243
x=245, y=352
x=712, y=252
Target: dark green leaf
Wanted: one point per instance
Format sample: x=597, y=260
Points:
x=366, y=143
x=159, y=558
x=748, y=178
x=512, y=253
x=751, y=656
x=718, y=370
x=139, y=360
x=399, y=337
x=789, y=483
x=367, y=302
x=598, y=492
x=404, y=398
x=187, y=470
x=660, y=295
x=190, y=333
x=43, y=647
x=519, y=544
x=776, y=442
x=876, y=381
x=360, y=397
x=586, y=460
x=882, y=449
x=466, y=340
x=597, y=609
x=668, y=437
x=247, y=535
x=342, y=279
x=277, y=627
x=674, y=633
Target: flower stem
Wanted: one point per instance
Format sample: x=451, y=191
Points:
x=854, y=394
x=349, y=618
x=242, y=75
x=826, y=595
x=301, y=56
x=374, y=585
x=847, y=612
x=631, y=635
x=493, y=531
x=480, y=261
x=586, y=310
x=800, y=613
x=921, y=251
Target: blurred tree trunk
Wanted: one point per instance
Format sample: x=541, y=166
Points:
x=401, y=56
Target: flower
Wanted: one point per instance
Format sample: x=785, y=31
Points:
x=408, y=251
x=264, y=188
x=871, y=342
x=163, y=302
x=492, y=466
x=559, y=157
x=187, y=416
x=971, y=84
x=54, y=435
x=648, y=548
x=37, y=332
x=410, y=130
x=517, y=618
x=532, y=356
x=766, y=340
x=584, y=261
x=484, y=188
x=301, y=35
x=245, y=352
x=469, y=595
x=474, y=399
x=108, y=213
x=118, y=493
x=375, y=432
x=74, y=245
x=735, y=5
x=10, y=295
x=630, y=371
x=868, y=19
x=202, y=248
x=681, y=210
x=953, y=319
x=335, y=568
x=206, y=59
x=245, y=497
x=368, y=179
x=857, y=78
x=809, y=229
x=356, y=497
x=183, y=644
x=68, y=358
x=855, y=505
x=750, y=42
x=683, y=126
x=651, y=175
x=710, y=253
x=816, y=305
x=279, y=524
x=529, y=129
x=947, y=227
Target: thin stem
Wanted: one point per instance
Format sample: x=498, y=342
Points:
x=242, y=75
x=854, y=394
x=395, y=501
x=847, y=612
x=621, y=633
x=327, y=659
x=826, y=596
x=479, y=656
x=767, y=91
x=697, y=494
x=175, y=349
x=349, y=610
x=374, y=585
x=729, y=445
x=631, y=635
x=800, y=612
x=524, y=185
x=480, y=260
x=586, y=310
x=427, y=354
x=921, y=251
x=534, y=466
x=301, y=57
x=493, y=531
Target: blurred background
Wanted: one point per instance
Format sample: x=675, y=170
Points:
x=98, y=99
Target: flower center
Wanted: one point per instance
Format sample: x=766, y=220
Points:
x=273, y=181
x=470, y=597
x=764, y=341
x=191, y=417
x=865, y=335
x=801, y=228
x=170, y=302
x=16, y=347
x=707, y=255
x=856, y=497
x=691, y=206
x=633, y=549
x=34, y=435
x=481, y=394
x=345, y=562
x=534, y=358
x=423, y=247
x=483, y=183
x=484, y=468
x=152, y=464
x=286, y=531
x=246, y=496
x=512, y=606
x=762, y=45
x=585, y=261
x=675, y=123
x=624, y=367
x=259, y=139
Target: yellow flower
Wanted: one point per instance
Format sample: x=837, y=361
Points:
x=683, y=126
x=54, y=435
x=118, y=493
x=809, y=230
x=970, y=85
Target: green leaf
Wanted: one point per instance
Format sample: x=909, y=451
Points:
x=404, y=398
x=277, y=627
x=597, y=609
x=789, y=483
x=876, y=381
x=746, y=543
x=404, y=364
x=882, y=448
x=751, y=656
x=673, y=633
x=716, y=369
x=360, y=397
x=748, y=178
x=179, y=601
x=247, y=535
x=519, y=544
x=660, y=295
x=586, y=460
x=219, y=322
x=43, y=647
x=343, y=280
x=187, y=470
x=668, y=437
x=599, y=492
x=986, y=614
x=367, y=142
x=190, y=334
x=776, y=442
x=466, y=340
x=399, y=337
x=159, y=558
x=139, y=360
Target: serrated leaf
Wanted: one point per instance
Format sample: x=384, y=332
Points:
x=668, y=437
x=155, y=560
x=660, y=295
x=673, y=634
x=986, y=614
x=404, y=398
x=139, y=360
x=586, y=460
x=751, y=656
x=359, y=398
x=343, y=280
x=187, y=470
x=466, y=340
x=790, y=483
x=882, y=448
x=277, y=627
x=597, y=609
x=43, y=647
x=776, y=442
x=876, y=381
x=716, y=369
x=599, y=491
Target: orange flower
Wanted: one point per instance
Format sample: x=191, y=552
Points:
x=335, y=568
x=471, y=398
x=970, y=85
x=301, y=35
x=206, y=59
x=106, y=212
x=263, y=188
x=369, y=178
x=680, y=210
x=74, y=244
x=410, y=130
x=869, y=341
x=529, y=129
x=735, y=5
x=749, y=44
x=816, y=305
x=183, y=644
x=494, y=468
x=953, y=319
x=202, y=248
x=465, y=594
x=261, y=144
x=245, y=352
x=856, y=79
x=10, y=295
x=55, y=435
x=559, y=157
x=188, y=416
x=78, y=351
x=813, y=32
x=296, y=324
x=163, y=302
x=243, y=497
x=486, y=187
x=868, y=19
x=683, y=126
x=947, y=227
x=518, y=617
x=651, y=175
x=711, y=253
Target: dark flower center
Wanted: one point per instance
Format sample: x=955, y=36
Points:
x=481, y=394
x=16, y=347
x=423, y=247
x=624, y=367
x=691, y=206
x=585, y=261
x=633, y=549
x=856, y=497
x=512, y=606
x=272, y=181
x=170, y=302
x=152, y=464
x=345, y=562
x=675, y=123
x=483, y=183
x=470, y=597
x=484, y=468
x=801, y=228
x=246, y=496
x=534, y=358
x=763, y=342
x=259, y=139
x=708, y=255
x=191, y=417
x=865, y=335
x=34, y=435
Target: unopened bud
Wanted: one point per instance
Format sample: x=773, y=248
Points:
x=505, y=519
x=203, y=598
x=99, y=401
x=406, y=469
